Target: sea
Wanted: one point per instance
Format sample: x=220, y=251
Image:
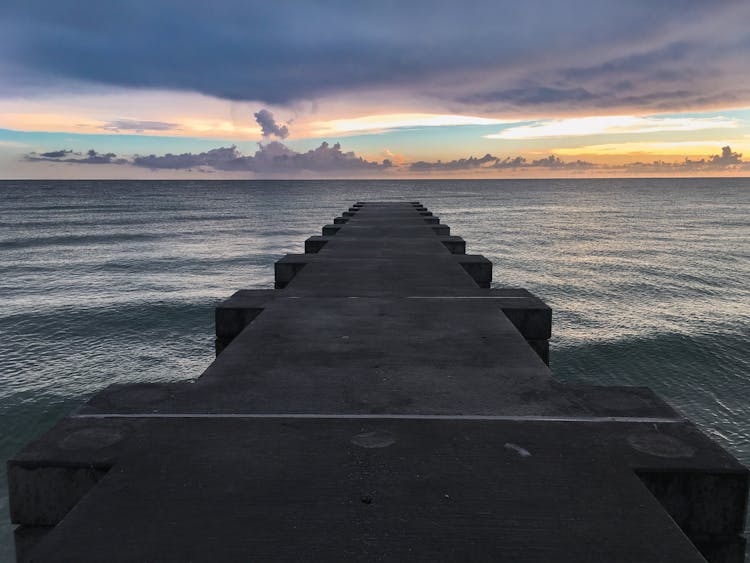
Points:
x=107, y=282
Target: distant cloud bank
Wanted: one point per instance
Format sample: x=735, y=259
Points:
x=727, y=160
x=275, y=158
x=493, y=162
x=271, y=158
x=70, y=157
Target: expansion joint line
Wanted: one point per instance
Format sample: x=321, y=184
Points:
x=317, y=416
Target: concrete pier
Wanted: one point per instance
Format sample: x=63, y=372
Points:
x=382, y=403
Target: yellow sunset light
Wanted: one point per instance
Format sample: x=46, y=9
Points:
x=611, y=124
x=675, y=148
x=385, y=122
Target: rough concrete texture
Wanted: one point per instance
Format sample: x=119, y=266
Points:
x=383, y=403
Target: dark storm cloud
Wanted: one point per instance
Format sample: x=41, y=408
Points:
x=699, y=73
x=271, y=158
x=531, y=95
x=491, y=53
x=268, y=125
x=639, y=62
x=91, y=157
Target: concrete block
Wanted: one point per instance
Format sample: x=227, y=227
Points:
x=330, y=230
x=529, y=314
x=340, y=220
x=708, y=507
x=232, y=319
x=724, y=550
x=541, y=347
x=26, y=538
x=432, y=220
x=287, y=268
x=314, y=244
x=41, y=495
x=456, y=245
x=53, y=473
x=442, y=230
x=234, y=314
x=478, y=267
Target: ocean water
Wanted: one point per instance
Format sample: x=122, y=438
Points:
x=112, y=282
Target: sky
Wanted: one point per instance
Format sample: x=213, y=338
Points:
x=334, y=89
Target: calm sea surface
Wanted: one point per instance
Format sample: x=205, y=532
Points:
x=114, y=282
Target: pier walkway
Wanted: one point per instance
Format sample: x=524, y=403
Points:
x=383, y=403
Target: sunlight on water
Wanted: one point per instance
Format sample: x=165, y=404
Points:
x=109, y=282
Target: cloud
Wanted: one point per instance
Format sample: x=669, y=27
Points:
x=91, y=157
x=460, y=164
x=489, y=162
x=726, y=161
x=268, y=125
x=276, y=159
x=555, y=163
x=675, y=148
x=727, y=157
x=550, y=54
x=510, y=162
x=270, y=158
x=610, y=125
x=532, y=96
x=138, y=126
x=220, y=159
x=686, y=68
x=388, y=122
x=396, y=159
x=56, y=154
x=625, y=66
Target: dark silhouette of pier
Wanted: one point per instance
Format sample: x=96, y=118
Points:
x=382, y=403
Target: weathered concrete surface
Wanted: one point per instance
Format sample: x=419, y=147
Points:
x=386, y=404
x=380, y=489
